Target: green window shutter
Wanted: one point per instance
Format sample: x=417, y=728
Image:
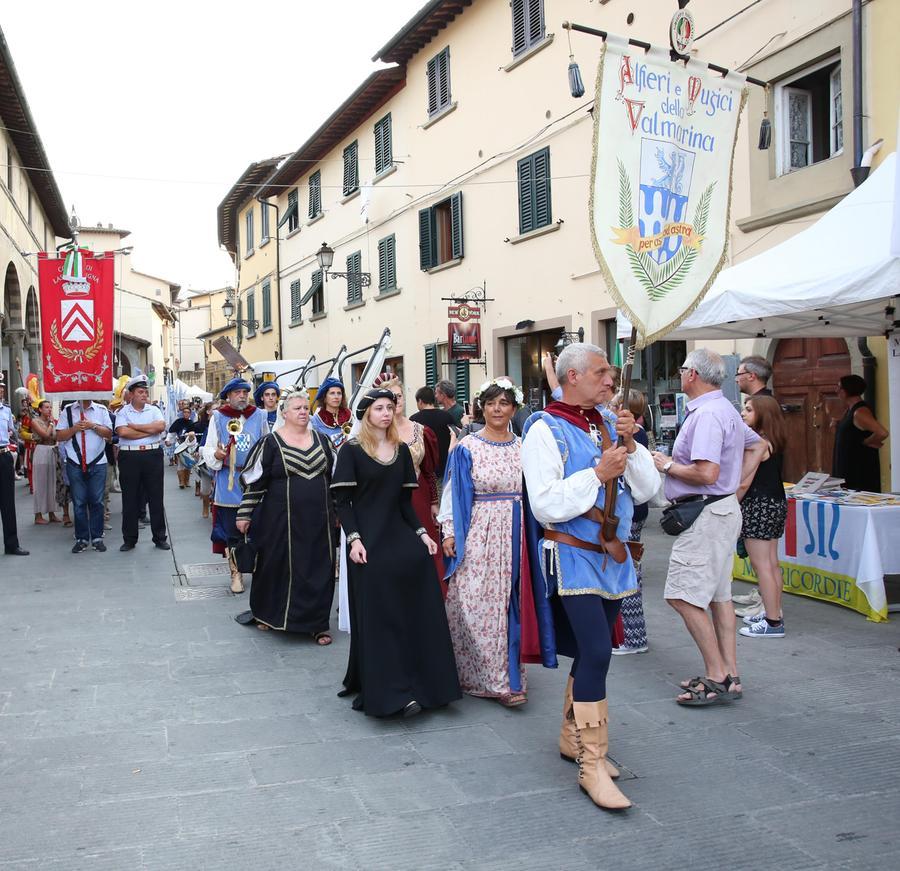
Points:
x=354, y=285
x=290, y=216
x=315, y=194
x=263, y=222
x=462, y=381
x=526, y=193
x=426, y=239
x=431, y=365
x=318, y=293
x=543, y=213
x=432, y=73
x=444, y=80
x=267, y=304
x=251, y=312
x=351, y=168
x=295, y=300
x=384, y=153
x=535, y=23
x=456, y=226
x=520, y=36
x=240, y=326
x=387, y=265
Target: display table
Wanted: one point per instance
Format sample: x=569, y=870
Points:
x=838, y=548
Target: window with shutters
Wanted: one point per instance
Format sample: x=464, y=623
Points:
x=534, y=191
x=251, y=313
x=351, y=168
x=431, y=365
x=296, y=293
x=461, y=381
x=315, y=194
x=293, y=209
x=354, y=283
x=263, y=223
x=240, y=322
x=248, y=233
x=809, y=116
x=441, y=232
x=438, y=73
x=387, y=264
x=384, y=149
x=318, y=293
x=267, y=305
x=527, y=24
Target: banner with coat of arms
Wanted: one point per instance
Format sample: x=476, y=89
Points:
x=663, y=148
x=76, y=293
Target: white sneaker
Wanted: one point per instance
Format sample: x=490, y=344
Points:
x=623, y=651
x=751, y=598
x=750, y=610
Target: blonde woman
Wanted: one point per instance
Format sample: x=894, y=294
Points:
x=401, y=657
x=423, y=446
x=286, y=508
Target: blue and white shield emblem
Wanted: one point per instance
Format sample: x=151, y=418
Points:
x=666, y=171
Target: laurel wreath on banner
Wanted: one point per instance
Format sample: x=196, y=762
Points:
x=658, y=279
x=79, y=355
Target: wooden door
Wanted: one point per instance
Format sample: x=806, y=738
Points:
x=805, y=381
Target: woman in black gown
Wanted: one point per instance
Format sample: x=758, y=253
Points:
x=401, y=656
x=287, y=500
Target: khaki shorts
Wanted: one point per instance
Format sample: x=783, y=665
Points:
x=702, y=560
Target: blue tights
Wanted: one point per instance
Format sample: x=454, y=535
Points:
x=591, y=619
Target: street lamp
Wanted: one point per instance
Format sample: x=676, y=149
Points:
x=325, y=258
x=228, y=313
x=568, y=338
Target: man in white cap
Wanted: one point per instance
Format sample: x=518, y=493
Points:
x=139, y=426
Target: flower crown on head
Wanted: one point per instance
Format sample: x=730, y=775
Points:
x=504, y=384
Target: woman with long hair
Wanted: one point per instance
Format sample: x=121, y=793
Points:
x=44, y=463
x=423, y=446
x=287, y=500
x=489, y=584
x=764, y=510
x=401, y=657
x=332, y=416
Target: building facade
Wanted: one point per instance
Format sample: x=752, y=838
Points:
x=32, y=219
x=461, y=173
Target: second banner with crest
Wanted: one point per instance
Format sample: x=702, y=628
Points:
x=664, y=139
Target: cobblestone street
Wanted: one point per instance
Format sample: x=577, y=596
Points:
x=142, y=731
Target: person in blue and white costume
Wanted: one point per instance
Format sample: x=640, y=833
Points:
x=266, y=398
x=332, y=416
x=569, y=456
x=233, y=430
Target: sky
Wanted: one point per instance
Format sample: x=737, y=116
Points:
x=149, y=112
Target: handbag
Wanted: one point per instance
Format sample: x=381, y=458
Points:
x=244, y=555
x=682, y=513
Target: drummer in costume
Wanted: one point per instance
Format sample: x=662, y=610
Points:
x=234, y=429
x=569, y=457
x=332, y=417
x=139, y=426
x=266, y=398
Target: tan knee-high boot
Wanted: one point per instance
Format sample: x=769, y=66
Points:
x=593, y=741
x=568, y=743
x=206, y=506
x=237, y=579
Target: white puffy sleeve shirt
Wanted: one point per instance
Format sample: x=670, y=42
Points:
x=555, y=498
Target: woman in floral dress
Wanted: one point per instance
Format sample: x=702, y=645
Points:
x=489, y=595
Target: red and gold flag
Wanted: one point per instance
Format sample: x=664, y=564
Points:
x=77, y=291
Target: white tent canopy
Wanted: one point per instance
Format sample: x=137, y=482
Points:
x=835, y=279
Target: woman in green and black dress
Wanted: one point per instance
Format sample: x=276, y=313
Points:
x=287, y=509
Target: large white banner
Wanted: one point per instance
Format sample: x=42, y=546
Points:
x=664, y=139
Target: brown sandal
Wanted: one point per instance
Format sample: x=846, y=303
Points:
x=512, y=700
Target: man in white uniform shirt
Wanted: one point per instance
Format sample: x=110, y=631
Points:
x=139, y=426
x=8, y=428
x=85, y=427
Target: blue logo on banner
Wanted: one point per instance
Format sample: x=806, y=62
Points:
x=666, y=172
x=817, y=540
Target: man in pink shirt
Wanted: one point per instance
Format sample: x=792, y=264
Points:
x=713, y=452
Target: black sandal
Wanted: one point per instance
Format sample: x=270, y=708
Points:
x=698, y=692
x=733, y=695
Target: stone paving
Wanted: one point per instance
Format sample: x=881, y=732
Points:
x=141, y=732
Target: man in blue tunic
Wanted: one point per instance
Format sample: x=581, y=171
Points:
x=233, y=430
x=569, y=458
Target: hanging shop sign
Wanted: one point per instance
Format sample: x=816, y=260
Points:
x=464, y=311
x=464, y=340
x=76, y=293
x=661, y=181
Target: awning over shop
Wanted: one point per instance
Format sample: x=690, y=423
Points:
x=838, y=278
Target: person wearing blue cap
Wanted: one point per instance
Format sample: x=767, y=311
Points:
x=266, y=398
x=233, y=431
x=332, y=417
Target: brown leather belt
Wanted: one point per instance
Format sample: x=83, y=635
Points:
x=635, y=547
